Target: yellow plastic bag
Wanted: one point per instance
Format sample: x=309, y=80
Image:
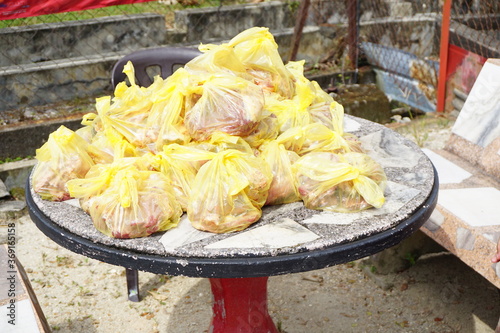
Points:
x=318, y=137
x=134, y=203
x=128, y=111
x=220, y=141
x=228, y=192
x=137, y=204
x=343, y=183
x=96, y=180
x=223, y=104
x=258, y=51
x=63, y=157
x=290, y=113
x=181, y=164
x=217, y=59
x=280, y=160
x=106, y=146
x=166, y=117
x=268, y=129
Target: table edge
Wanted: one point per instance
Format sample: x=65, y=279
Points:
x=235, y=267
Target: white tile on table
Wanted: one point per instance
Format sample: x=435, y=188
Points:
x=283, y=233
x=477, y=207
x=448, y=172
x=351, y=125
x=73, y=202
x=388, y=151
x=182, y=235
x=332, y=218
x=24, y=318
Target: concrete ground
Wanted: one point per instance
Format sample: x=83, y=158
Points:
x=438, y=293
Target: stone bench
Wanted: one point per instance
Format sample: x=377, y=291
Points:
x=467, y=219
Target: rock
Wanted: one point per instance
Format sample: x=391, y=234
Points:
x=29, y=113
x=15, y=174
x=11, y=209
x=3, y=190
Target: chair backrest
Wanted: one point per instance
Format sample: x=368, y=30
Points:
x=167, y=59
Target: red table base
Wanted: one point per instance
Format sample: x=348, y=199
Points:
x=240, y=306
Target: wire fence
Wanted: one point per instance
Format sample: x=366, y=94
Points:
x=67, y=57
x=401, y=40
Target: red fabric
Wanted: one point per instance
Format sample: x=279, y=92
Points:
x=11, y=9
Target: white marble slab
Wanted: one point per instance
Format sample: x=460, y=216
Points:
x=448, y=172
x=388, y=151
x=479, y=120
x=484, y=200
x=284, y=233
x=182, y=235
x=396, y=196
x=25, y=320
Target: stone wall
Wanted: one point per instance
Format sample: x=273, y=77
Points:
x=51, y=41
x=214, y=23
x=74, y=59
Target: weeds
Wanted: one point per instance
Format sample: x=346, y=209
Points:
x=15, y=159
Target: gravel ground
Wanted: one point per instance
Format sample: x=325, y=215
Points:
x=438, y=293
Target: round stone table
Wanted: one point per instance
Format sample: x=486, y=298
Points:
x=287, y=239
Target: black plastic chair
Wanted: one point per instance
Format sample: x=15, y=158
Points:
x=148, y=63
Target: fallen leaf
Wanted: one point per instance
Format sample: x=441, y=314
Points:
x=404, y=323
x=157, y=296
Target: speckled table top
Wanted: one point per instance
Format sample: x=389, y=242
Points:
x=288, y=228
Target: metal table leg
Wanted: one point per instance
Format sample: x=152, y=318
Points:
x=132, y=276
x=240, y=305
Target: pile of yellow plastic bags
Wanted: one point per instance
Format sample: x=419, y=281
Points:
x=232, y=131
